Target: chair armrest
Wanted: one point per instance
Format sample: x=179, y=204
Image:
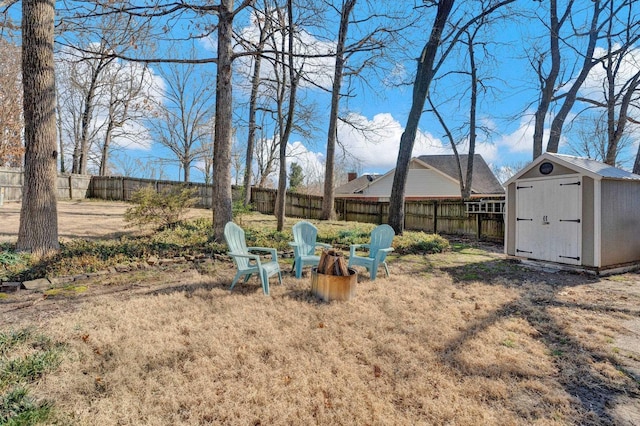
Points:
x=384, y=251
x=353, y=247
x=323, y=245
x=272, y=251
x=253, y=257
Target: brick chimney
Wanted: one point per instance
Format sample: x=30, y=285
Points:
x=351, y=176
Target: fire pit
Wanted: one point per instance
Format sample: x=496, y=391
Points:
x=332, y=279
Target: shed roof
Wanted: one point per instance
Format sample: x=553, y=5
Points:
x=597, y=167
x=592, y=168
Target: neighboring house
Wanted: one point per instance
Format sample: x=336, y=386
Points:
x=430, y=177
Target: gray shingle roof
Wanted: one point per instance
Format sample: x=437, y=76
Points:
x=484, y=181
x=356, y=184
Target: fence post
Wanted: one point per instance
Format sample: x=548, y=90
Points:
x=435, y=217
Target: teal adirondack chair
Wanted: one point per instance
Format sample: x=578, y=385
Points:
x=247, y=262
x=379, y=247
x=304, y=246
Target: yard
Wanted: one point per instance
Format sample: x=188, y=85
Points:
x=462, y=337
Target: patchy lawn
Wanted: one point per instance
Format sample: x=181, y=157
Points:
x=461, y=337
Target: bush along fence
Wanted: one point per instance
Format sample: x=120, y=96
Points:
x=437, y=216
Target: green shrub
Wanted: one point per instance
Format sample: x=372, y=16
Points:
x=160, y=209
x=239, y=210
x=420, y=242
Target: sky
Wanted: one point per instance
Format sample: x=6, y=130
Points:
x=380, y=102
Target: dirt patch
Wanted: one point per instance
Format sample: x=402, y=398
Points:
x=89, y=219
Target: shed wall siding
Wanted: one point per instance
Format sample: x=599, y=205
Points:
x=420, y=183
x=620, y=222
x=558, y=170
x=588, y=210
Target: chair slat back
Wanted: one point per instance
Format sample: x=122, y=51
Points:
x=235, y=238
x=305, y=234
x=381, y=238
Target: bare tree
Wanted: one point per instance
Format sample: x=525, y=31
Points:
x=467, y=127
x=90, y=82
x=263, y=21
x=127, y=104
x=224, y=116
x=424, y=75
x=569, y=98
x=38, y=231
x=198, y=16
x=184, y=114
x=588, y=137
x=548, y=82
x=617, y=77
x=427, y=68
x=286, y=125
x=329, y=184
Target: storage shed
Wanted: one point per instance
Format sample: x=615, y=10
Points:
x=574, y=211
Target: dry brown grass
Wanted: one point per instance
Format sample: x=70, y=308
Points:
x=458, y=338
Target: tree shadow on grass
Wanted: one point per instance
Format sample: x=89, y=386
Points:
x=593, y=394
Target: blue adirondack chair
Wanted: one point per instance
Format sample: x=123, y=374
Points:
x=247, y=262
x=379, y=247
x=304, y=246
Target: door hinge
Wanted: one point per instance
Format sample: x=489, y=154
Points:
x=523, y=251
x=524, y=187
x=519, y=219
x=572, y=183
x=569, y=257
x=570, y=220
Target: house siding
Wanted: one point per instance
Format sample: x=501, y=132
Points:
x=421, y=182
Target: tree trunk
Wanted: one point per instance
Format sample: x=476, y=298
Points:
x=222, y=213
x=424, y=75
x=253, y=100
x=328, y=200
x=186, y=165
x=466, y=193
x=548, y=83
x=38, y=230
x=570, y=97
x=104, y=158
x=294, y=77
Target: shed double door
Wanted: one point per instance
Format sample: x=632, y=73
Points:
x=549, y=219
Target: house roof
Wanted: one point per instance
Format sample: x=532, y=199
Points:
x=592, y=168
x=357, y=184
x=484, y=181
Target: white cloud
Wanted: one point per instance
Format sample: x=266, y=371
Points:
x=520, y=141
x=375, y=143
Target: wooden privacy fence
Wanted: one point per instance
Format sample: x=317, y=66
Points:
x=437, y=216
x=121, y=188
x=70, y=187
